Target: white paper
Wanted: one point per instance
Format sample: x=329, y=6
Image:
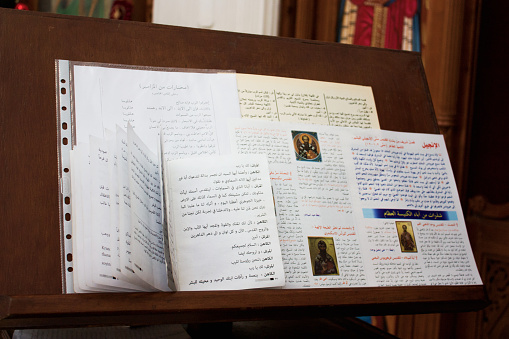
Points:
x=82, y=223
x=86, y=235
x=146, y=215
x=104, y=268
x=224, y=223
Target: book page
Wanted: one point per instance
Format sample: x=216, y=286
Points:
x=306, y=101
x=100, y=199
x=88, y=279
x=79, y=158
x=148, y=259
x=114, y=202
x=95, y=270
x=224, y=223
x=105, y=267
x=359, y=207
x=123, y=221
x=168, y=231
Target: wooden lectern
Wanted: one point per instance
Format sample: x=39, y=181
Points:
x=30, y=234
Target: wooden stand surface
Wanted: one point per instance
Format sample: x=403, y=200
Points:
x=30, y=251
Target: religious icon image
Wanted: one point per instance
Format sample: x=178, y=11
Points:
x=306, y=146
x=391, y=24
x=406, y=236
x=323, y=256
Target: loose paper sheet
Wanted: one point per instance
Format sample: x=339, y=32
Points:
x=306, y=101
x=146, y=215
x=224, y=223
x=360, y=207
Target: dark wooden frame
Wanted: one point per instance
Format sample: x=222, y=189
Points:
x=30, y=251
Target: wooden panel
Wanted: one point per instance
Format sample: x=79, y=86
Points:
x=489, y=242
x=304, y=19
x=327, y=17
x=449, y=48
x=187, y=307
x=287, y=18
x=308, y=19
x=488, y=171
x=29, y=245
